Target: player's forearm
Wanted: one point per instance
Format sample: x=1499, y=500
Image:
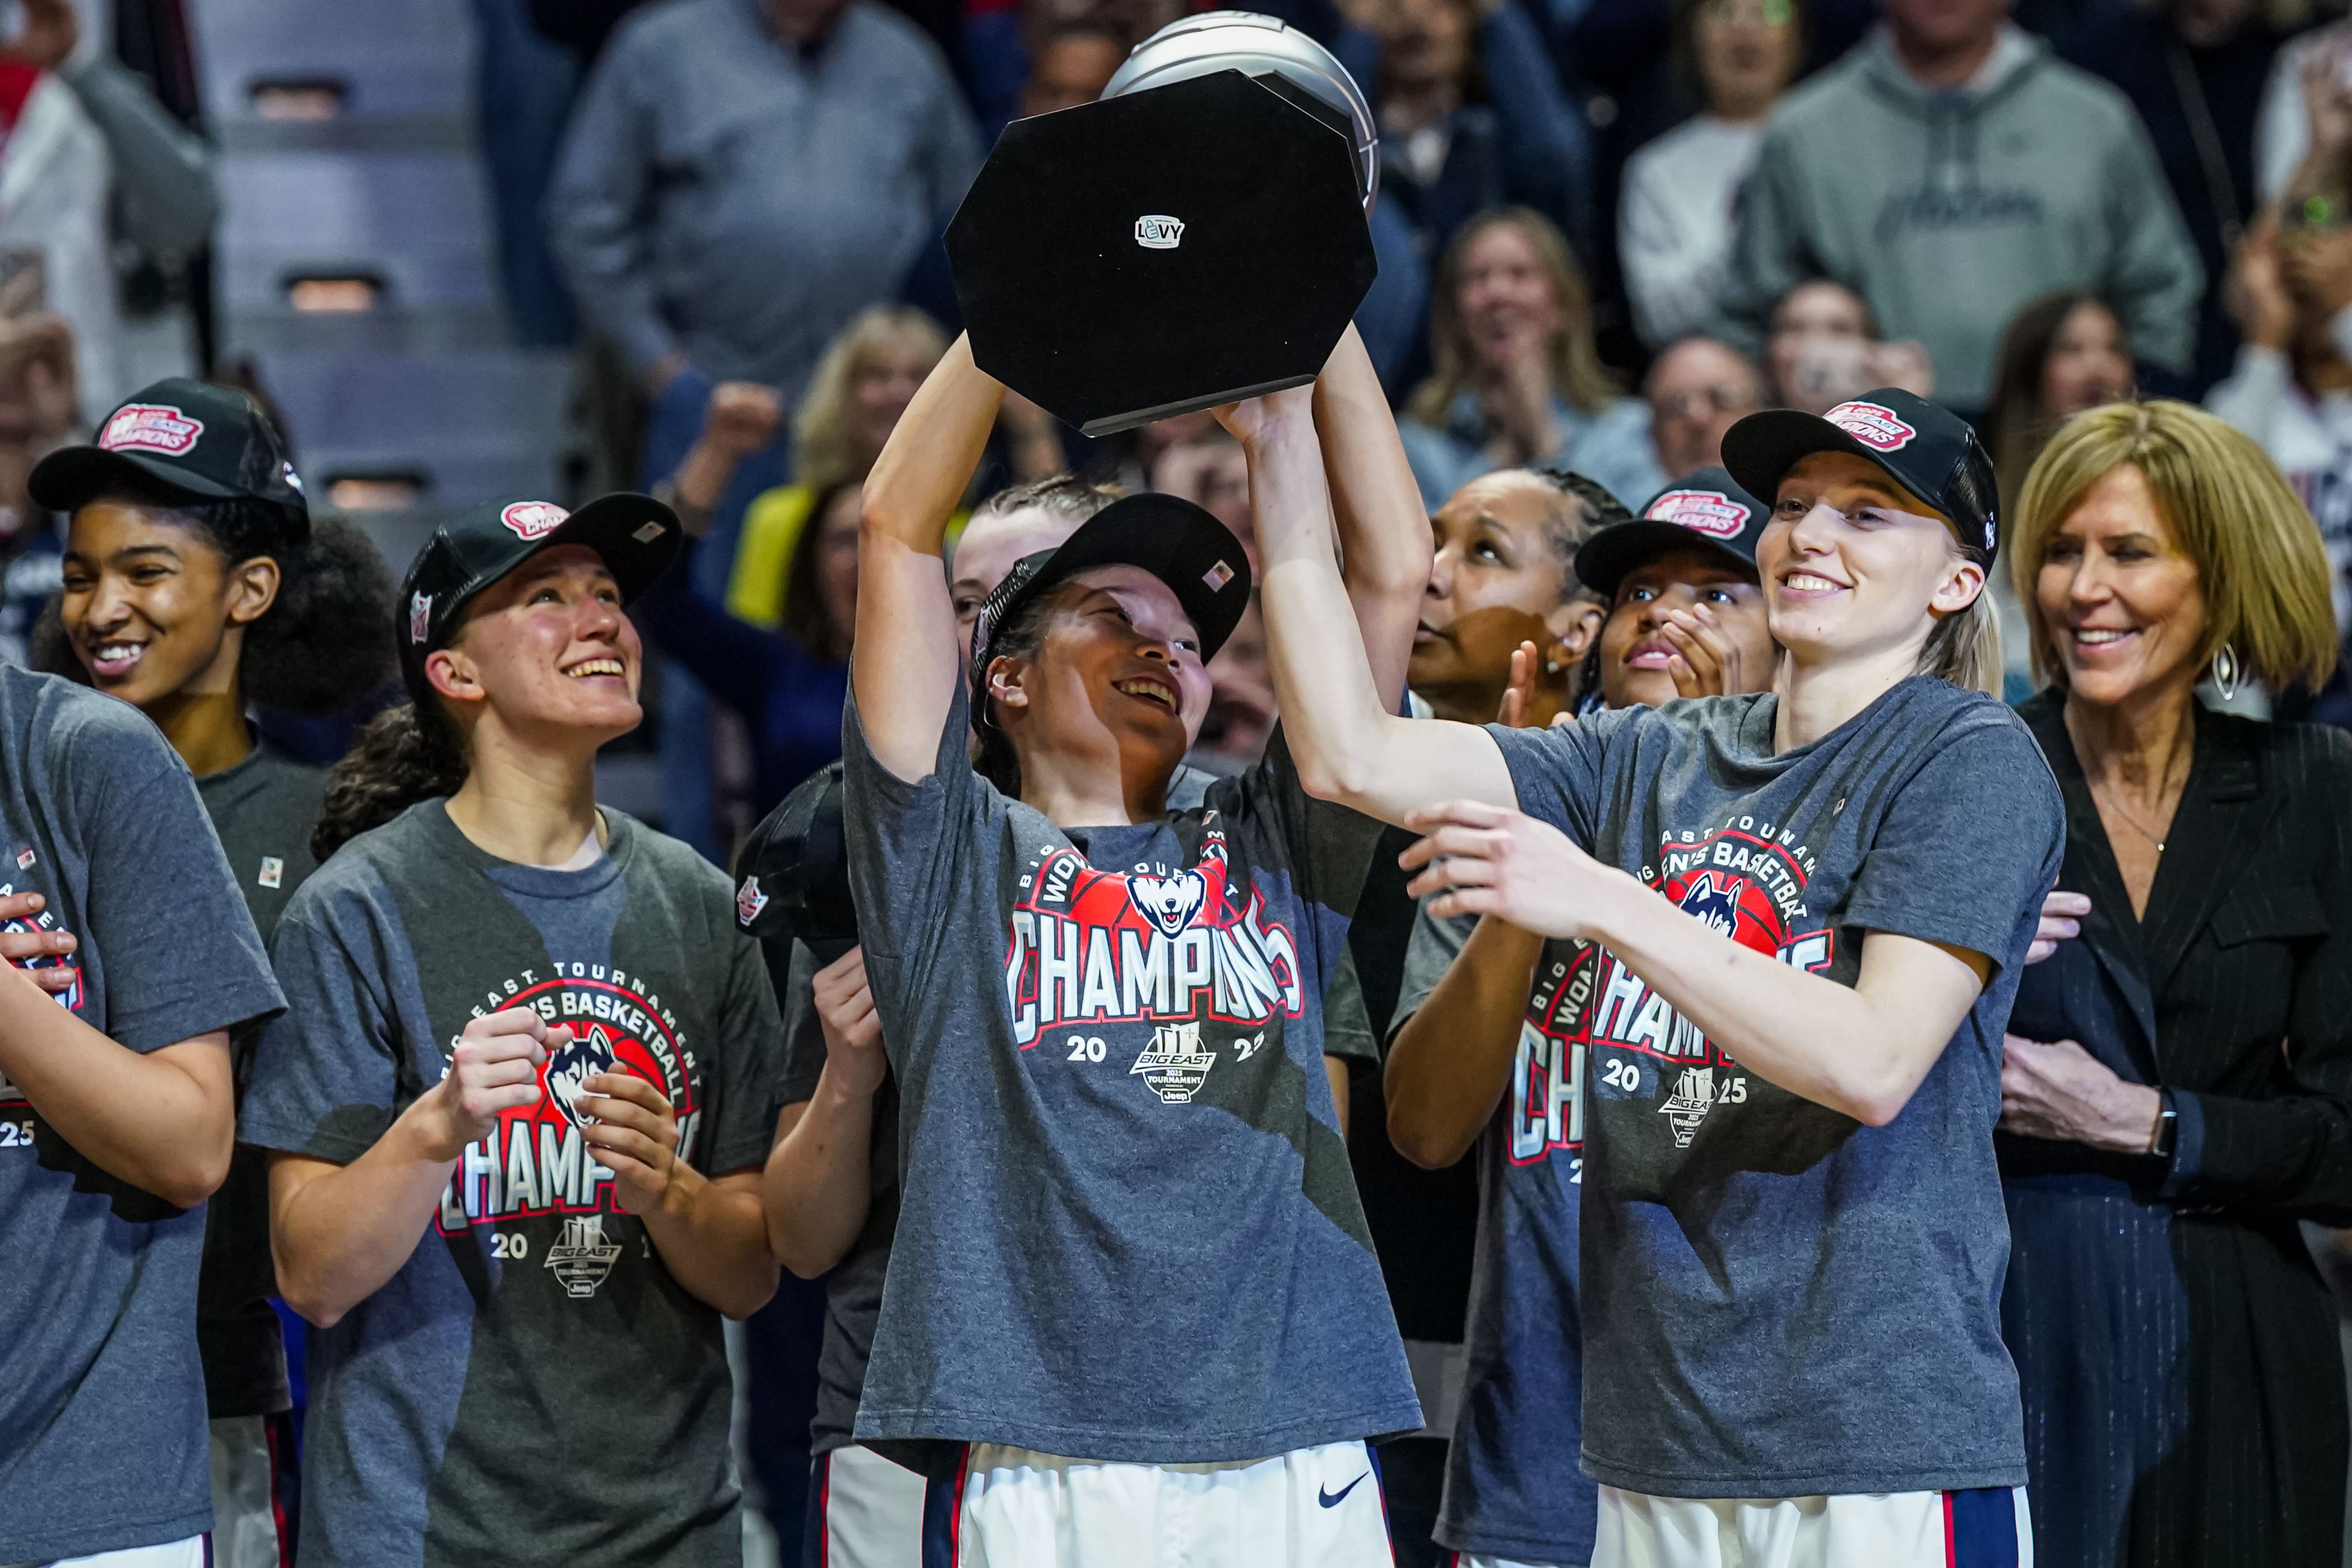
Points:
x=818, y=1186
x=714, y=1240
x=1451, y=1062
x=932, y=452
x=1331, y=710
x=1384, y=539
x=1832, y=1044
x=144, y=1120
x=339, y=1233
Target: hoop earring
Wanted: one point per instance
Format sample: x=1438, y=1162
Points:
x=2225, y=672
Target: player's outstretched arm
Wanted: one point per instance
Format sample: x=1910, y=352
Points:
x=905, y=671
x=1384, y=539
x=1862, y=1049
x=1349, y=747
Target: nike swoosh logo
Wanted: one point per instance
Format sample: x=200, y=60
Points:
x=1330, y=1498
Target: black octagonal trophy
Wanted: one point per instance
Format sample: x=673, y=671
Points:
x=1165, y=250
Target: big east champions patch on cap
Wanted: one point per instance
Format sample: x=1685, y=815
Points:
x=151, y=427
x=1873, y=425
x=1710, y=512
x=1704, y=511
x=1929, y=451
x=534, y=518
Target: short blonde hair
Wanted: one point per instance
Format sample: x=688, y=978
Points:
x=821, y=456
x=2258, y=554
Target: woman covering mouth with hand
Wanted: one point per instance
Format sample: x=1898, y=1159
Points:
x=1789, y=1211
x=516, y=1117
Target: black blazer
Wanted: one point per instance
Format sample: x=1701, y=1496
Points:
x=2235, y=992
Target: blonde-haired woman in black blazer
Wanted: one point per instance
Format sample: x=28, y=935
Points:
x=2176, y=1091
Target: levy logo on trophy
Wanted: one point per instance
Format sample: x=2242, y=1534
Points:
x=1195, y=237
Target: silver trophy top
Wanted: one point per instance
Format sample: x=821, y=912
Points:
x=1258, y=46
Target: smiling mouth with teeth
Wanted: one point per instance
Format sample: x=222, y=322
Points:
x=1806, y=582
x=1148, y=692
x=112, y=659
x=596, y=667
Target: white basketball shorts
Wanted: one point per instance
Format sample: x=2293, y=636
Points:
x=1984, y=1529
x=1311, y=1508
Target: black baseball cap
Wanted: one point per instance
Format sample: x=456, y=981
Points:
x=793, y=871
x=1706, y=509
x=201, y=442
x=1928, y=449
x=637, y=536
x=1179, y=543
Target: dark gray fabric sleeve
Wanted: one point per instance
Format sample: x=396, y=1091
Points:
x=751, y=1054
x=181, y=954
x=1329, y=846
x=1347, y=1026
x=1435, y=944
x=326, y=1078
x=1557, y=772
x=1968, y=845
x=910, y=842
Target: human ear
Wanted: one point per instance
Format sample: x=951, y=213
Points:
x=253, y=588
x=1963, y=582
x=1574, y=626
x=449, y=672
x=1004, y=682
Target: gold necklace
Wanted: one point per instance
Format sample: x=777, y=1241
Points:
x=2129, y=820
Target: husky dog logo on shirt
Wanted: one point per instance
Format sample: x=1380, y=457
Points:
x=535, y=1161
x=1746, y=881
x=1156, y=945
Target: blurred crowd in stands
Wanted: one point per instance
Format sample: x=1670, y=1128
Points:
x=1606, y=230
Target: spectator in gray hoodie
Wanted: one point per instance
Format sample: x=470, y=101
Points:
x=1949, y=170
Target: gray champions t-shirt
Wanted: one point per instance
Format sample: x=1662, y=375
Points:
x=532, y=1386
x=853, y=1289
x=103, y=1442
x=1514, y=1485
x=1127, y=1230
x=1779, y=1301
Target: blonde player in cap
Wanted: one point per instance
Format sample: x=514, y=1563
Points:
x=1802, y=953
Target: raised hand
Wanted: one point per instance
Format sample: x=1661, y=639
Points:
x=852, y=1030
x=1708, y=660
x=1480, y=859
x=22, y=949
x=741, y=418
x=635, y=1136
x=494, y=1069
